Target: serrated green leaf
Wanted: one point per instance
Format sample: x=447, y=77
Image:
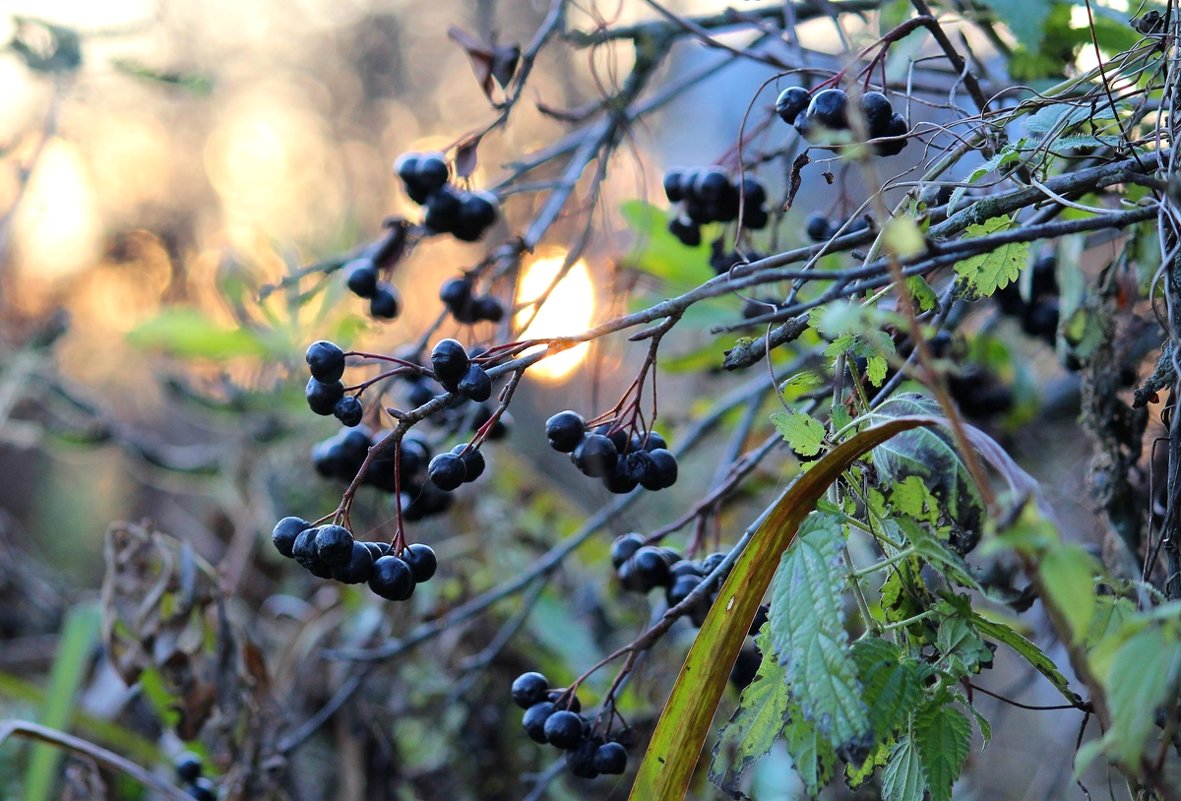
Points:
x=1068, y=574
x=911, y=497
x=937, y=554
x=922, y=293
x=188, y=333
x=903, y=780
x=930, y=455
x=903, y=238
x=857, y=775
x=812, y=754
x=1143, y=675
x=987, y=272
x=875, y=370
x=1027, y=651
x=942, y=735
x=962, y=647
x=803, y=433
x=984, y=726
x=1111, y=612
x=891, y=685
x=755, y=725
x=808, y=631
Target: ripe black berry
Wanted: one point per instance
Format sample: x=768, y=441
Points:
x=753, y=192
x=790, y=103
x=406, y=168
x=303, y=550
x=818, y=228
x=595, y=455
x=877, y=110
x=392, y=579
x=681, y=587
x=473, y=461
x=610, y=758
x=645, y=570
x=662, y=472
x=897, y=128
x=431, y=171
x=377, y=549
x=686, y=231
x=361, y=277
x=422, y=561
x=284, y=534
x=384, y=303
x=711, y=185
x=580, y=760
x=674, y=186
x=535, y=718
x=322, y=397
x=829, y=108
x=334, y=545
x=475, y=384
x=565, y=430
x=620, y=480
x=442, y=210
x=450, y=361
x=349, y=411
x=478, y=211
x=188, y=764
x=360, y=564
x=447, y=471
x=488, y=308
x=456, y=293
x=710, y=563
x=529, y=689
x=624, y=546
x=563, y=729
x=325, y=361
x=565, y=701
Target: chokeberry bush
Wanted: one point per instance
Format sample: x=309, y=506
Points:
x=869, y=456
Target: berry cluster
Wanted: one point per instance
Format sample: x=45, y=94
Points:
x=545, y=721
x=324, y=391
x=465, y=307
x=457, y=373
x=710, y=195
x=330, y=551
x=188, y=770
x=722, y=260
x=817, y=115
x=642, y=568
x=361, y=277
x=623, y=461
x=449, y=209
x=1038, y=315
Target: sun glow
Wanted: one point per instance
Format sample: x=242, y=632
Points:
x=568, y=310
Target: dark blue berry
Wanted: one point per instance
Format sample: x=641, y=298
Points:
x=790, y=103
x=610, y=758
x=829, y=108
x=563, y=729
x=565, y=430
x=325, y=361
x=580, y=758
x=431, y=171
x=488, y=308
x=349, y=411
x=674, y=186
x=475, y=384
x=392, y=579
x=321, y=397
x=595, y=455
x=384, y=303
x=422, y=560
x=450, y=361
x=877, y=110
x=473, y=461
x=478, y=211
x=535, y=718
x=442, y=210
x=898, y=129
x=284, y=534
x=359, y=566
x=334, y=545
x=203, y=789
x=624, y=546
x=529, y=689
x=188, y=765
x=447, y=471
x=361, y=277
x=662, y=470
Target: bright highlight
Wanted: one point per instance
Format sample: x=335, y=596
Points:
x=568, y=310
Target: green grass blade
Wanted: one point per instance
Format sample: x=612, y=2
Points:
x=684, y=724
x=69, y=669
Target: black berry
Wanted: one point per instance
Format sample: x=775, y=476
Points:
x=392, y=579
x=790, y=103
x=203, y=790
x=349, y=411
x=334, y=545
x=361, y=277
x=529, y=689
x=475, y=384
x=384, y=303
x=473, y=461
x=624, y=546
x=610, y=758
x=284, y=534
x=447, y=471
x=360, y=564
x=535, y=718
x=877, y=110
x=595, y=455
x=686, y=231
x=188, y=765
x=450, y=361
x=563, y=729
x=662, y=472
x=431, y=172
x=322, y=397
x=674, y=187
x=565, y=430
x=325, y=361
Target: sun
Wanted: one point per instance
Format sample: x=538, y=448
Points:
x=568, y=310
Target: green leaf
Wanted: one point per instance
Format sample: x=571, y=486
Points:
x=1025, y=18
x=1027, y=651
x=942, y=735
x=987, y=272
x=875, y=370
x=962, y=647
x=903, y=238
x=902, y=780
x=808, y=630
x=659, y=253
x=811, y=753
x=922, y=293
x=912, y=498
x=684, y=723
x=891, y=684
x=930, y=455
x=195, y=82
x=755, y=724
x=70, y=666
x=803, y=433
x=1143, y=675
x=1068, y=573
x=187, y=333
x=937, y=554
